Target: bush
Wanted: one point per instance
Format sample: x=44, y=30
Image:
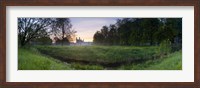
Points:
x=176, y=47
x=41, y=41
x=165, y=47
x=64, y=41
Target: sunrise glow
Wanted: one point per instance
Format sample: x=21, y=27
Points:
x=86, y=27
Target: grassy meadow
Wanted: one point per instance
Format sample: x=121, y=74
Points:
x=98, y=43
x=97, y=58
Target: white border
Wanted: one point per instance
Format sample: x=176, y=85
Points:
x=185, y=75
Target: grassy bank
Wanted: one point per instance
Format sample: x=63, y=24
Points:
x=100, y=54
x=56, y=57
x=31, y=59
x=170, y=62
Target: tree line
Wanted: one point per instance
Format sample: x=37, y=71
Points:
x=33, y=30
x=140, y=32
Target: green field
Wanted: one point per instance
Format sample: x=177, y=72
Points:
x=97, y=58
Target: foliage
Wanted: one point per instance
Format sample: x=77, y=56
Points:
x=31, y=28
x=61, y=28
x=42, y=41
x=64, y=41
x=36, y=29
x=165, y=47
x=140, y=32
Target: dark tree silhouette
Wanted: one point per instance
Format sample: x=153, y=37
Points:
x=140, y=31
x=31, y=28
x=61, y=28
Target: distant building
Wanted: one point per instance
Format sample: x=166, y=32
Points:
x=78, y=42
x=81, y=42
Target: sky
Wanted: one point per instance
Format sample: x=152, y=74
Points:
x=86, y=27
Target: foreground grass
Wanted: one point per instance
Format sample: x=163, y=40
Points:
x=32, y=59
x=170, y=62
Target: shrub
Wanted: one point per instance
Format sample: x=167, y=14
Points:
x=165, y=47
x=176, y=47
x=42, y=41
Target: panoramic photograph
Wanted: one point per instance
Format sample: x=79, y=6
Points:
x=99, y=43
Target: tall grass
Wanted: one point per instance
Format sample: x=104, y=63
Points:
x=33, y=59
x=170, y=62
x=78, y=66
x=110, y=54
x=30, y=59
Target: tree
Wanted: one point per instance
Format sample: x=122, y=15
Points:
x=174, y=28
x=104, y=32
x=137, y=32
x=98, y=38
x=112, y=35
x=61, y=28
x=124, y=30
x=141, y=31
x=150, y=26
x=31, y=28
